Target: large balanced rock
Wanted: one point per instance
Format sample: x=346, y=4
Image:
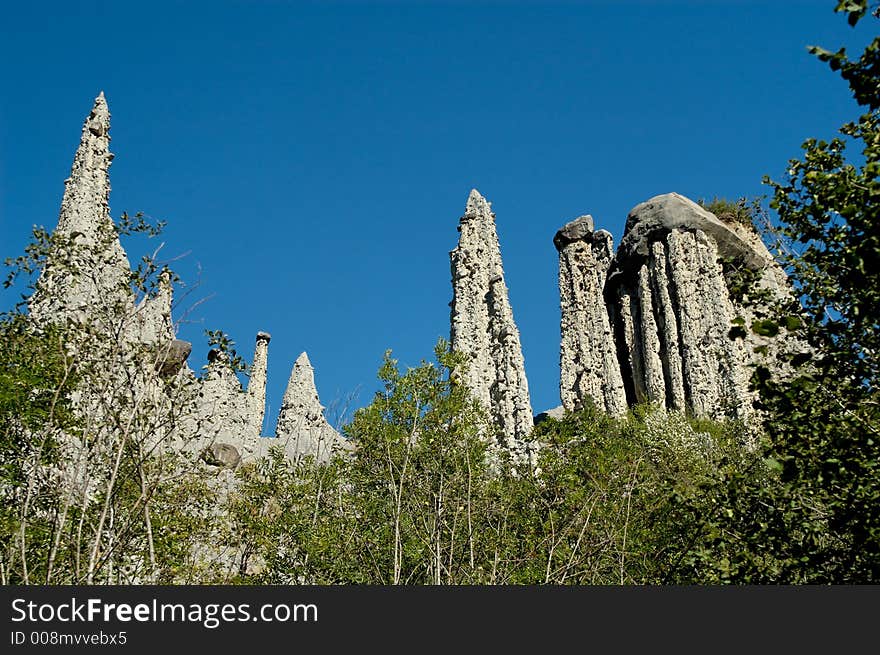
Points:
x=670, y=310
x=676, y=311
x=221, y=455
x=483, y=327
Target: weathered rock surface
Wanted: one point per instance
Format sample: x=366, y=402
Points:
x=650, y=323
x=589, y=369
x=87, y=280
x=226, y=413
x=302, y=428
x=670, y=312
x=171, y=357
x=483, y=327
x=87, y=271
x=256, y=390
x=153, y=314
x=665, y=213
x=557, y=413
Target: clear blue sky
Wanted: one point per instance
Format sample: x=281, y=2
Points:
x=313, y=159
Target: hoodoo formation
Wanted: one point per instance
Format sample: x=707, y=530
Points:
x=86, y=279
x=588, y=355
x=302, y=428
x=661, y=304
x=89, y=271
x=649, y=323
x=483, y=327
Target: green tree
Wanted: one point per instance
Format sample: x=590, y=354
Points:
x=410, y=505
x=90, y=491
x=617, y=498
x=419, y=474
x=811, y=513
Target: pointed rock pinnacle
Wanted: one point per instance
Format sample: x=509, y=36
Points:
x=477, y=204
x=482, y=324
x=89, y=275
x=301, y=423
x=256, y=390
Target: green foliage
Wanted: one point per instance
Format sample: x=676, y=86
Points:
x=226, y=346
x=741, y=281
x=402, y=509
x=811, y=514
x=137, y=224
x=610, y=506
x=741, y=211
x=426, y=498
x=89, y=492
x=61, y=247
x=36, y=378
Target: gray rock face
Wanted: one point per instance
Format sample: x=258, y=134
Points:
x=483, y=325
x=222, y=405
x=302, y=428
x=88, y=276
x=672, y=211
x=669, y=309
x=589, y=369
x=669, y=259
x=152, y=322
x=557, y=413
x=139, y=366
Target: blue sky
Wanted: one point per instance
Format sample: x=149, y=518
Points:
x=312, y=159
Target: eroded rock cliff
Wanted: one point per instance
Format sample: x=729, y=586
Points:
x=665, y=295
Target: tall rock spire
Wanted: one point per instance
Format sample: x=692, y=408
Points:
x=301, y=427
x=589, y=369
x=482, y=323
x=87, y=272
x=256, y=390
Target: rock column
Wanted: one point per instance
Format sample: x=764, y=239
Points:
x=256, y=390
x=676, y=311
x=589, y=368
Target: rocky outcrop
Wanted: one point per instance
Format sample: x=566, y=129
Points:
x=483, y=327
x=302, y=429
x=86, y=281
x=669, y=308
x=649, y=323
x=588, y=355
x=669, y=262
x=153, y=313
